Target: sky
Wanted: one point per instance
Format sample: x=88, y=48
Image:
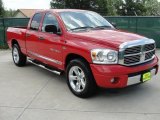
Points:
x=26, y=4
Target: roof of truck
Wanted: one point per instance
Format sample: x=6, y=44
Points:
x=61, y=10
x=65, y=10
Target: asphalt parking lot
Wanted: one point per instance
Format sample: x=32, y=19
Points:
x=31, y=93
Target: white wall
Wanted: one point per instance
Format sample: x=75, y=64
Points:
x=19, y=15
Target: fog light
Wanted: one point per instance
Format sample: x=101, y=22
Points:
x=114, y=80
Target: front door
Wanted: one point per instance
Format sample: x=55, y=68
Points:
x=49, y=46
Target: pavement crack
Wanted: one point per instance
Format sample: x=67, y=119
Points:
x=27, y=106
x=10, y=107
x=89, y=111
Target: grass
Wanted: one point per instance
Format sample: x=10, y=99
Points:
x=4, y=47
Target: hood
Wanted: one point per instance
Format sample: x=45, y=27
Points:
x=109, y=38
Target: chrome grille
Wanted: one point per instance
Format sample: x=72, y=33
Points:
x=149, y=47
x=132, y=50
x=137, y=52
x=131, y=60
x=149, y=55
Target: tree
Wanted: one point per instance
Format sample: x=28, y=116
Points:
x=131, y=7
x=57, y=4
x=74, y=4
x=153, y=7
x=112, y=7
x=9, y=13
x=1, y=9
x=105, y=7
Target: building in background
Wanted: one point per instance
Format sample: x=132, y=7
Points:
x=25, y=13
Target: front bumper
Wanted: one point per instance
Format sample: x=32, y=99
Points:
x=122, y=75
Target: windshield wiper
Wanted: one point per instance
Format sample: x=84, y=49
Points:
x=81, y=28
x=89, y=27
x=102, y=27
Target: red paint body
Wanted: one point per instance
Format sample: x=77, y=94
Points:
x=79, y=44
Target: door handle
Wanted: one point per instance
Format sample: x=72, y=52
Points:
x=41, y=38
x=28, y=35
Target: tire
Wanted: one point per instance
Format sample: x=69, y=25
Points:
x=19, y=58
x=80, y=79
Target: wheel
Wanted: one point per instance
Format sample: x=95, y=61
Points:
x=18, y=57
x=80, y=79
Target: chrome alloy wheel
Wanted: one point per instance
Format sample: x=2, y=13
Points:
x=15, y=55
x=77, y=79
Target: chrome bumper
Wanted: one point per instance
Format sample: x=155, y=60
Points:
x=137, y=79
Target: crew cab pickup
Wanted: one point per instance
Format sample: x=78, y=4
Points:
x=84, y=45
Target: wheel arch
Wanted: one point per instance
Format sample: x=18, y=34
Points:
x=73, y=56
x=14, y=41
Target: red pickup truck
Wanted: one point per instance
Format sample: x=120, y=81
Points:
x=84, y=45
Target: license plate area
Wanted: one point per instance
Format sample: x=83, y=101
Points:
x=146, y=76
x=141, y=77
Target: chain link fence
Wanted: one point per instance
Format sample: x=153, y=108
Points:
x=9, y=22
x=147, y=26
x=2, y=32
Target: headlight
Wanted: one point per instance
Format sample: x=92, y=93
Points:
x=104, y=56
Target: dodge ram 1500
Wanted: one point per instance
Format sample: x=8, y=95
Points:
x=84, y=45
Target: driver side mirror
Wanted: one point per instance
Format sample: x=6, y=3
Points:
x=52, y=29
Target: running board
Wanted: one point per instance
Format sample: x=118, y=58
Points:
x=42, y=66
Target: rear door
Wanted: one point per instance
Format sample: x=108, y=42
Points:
x=32, y=35
x=50, y=46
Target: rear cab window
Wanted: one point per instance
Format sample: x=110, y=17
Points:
x=35, y=23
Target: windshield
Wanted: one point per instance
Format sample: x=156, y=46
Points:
x=83, y=20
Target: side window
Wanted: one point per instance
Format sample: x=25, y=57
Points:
x=36, y=21
x=49, y=19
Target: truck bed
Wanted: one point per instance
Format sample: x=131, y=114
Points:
x=17, y=33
